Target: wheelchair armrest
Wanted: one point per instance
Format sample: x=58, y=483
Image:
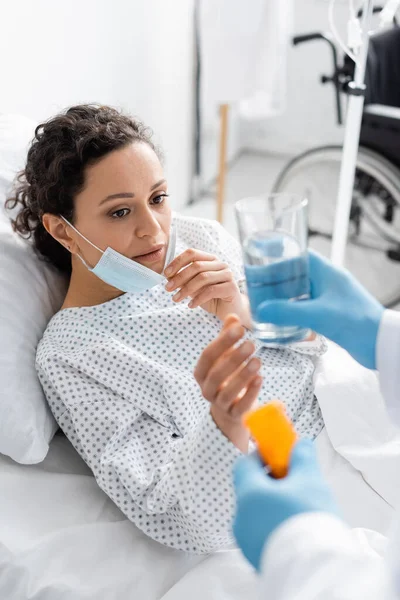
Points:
x=383, y=111
x=307, y=37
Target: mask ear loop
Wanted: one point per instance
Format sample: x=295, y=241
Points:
x=86, y=240
x=82, y=236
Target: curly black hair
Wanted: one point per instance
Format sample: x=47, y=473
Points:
x=55, y=169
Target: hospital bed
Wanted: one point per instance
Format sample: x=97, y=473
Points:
x=61, y=537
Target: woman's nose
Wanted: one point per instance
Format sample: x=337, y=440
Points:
x=147, y=224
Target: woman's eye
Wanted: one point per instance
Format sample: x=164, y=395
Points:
x=159, y=199
x=119, y=214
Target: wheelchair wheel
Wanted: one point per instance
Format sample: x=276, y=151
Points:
x=375, y=211
x=376, y=194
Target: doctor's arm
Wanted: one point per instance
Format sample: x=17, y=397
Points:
x=289, y=529
x=345, y=312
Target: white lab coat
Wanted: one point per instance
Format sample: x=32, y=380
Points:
x=317, y=556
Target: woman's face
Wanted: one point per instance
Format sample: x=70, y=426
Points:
x=124, y=205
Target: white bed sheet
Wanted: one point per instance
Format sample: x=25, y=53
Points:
x=62, y=538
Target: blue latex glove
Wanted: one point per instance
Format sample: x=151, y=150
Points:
x=339, y=308
x=264, y=503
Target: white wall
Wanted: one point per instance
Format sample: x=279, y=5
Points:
x=310, y=117
x=136, y=54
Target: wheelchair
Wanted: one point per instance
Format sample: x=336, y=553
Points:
x=375, y=210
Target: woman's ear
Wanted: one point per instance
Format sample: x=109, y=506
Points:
x=59, y=230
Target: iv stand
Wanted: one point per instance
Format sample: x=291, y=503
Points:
x=356, y=92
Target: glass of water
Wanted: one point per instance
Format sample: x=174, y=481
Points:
x=273, y=232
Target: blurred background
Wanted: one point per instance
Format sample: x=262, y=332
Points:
x=140, y=55
x=174, y=63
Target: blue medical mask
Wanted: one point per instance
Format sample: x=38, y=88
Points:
x=124, y=273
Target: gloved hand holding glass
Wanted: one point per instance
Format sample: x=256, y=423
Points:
x=339, y=308
x=273, y=232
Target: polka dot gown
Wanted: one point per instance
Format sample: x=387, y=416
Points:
x=119, y=380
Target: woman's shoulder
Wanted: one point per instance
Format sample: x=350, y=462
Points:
x=75, y=333
x=68, y=334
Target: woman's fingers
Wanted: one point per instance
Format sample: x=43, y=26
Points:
x=227, y=374
x=225, y=341
x=229, y=393
x=193, y=270
x=204, y=280
x=230, y=320
x=242, y=406
x=211, y=292
x=184, y=259
x=222, y=377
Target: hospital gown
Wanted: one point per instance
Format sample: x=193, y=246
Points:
x=119, y=380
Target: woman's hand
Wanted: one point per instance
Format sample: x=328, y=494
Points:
x=229, y=380
x=209, y=283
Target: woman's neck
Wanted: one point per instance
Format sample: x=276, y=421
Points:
x=86, y=289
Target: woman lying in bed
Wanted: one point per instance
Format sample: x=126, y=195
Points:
x=117, y=361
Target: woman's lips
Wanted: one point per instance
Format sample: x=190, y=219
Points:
x=153, y=256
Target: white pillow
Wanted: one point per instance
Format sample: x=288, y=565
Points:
x=31, y=291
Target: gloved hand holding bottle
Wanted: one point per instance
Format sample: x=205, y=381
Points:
x=264, y=503
x=339, y=308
